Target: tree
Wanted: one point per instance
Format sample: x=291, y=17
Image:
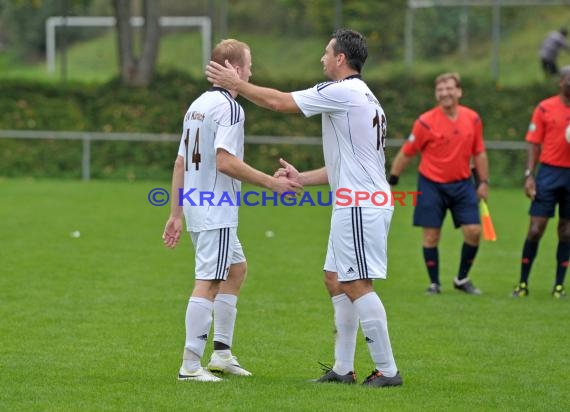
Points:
x=137, y=71
x=382, y=22
x=22, y=23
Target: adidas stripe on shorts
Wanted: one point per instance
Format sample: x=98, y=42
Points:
x=357, y=246
x=216, y=250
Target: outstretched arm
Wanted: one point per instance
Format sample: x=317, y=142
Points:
x=230, y=165
x=308, y=178
x=315, y=177
x=271, y=99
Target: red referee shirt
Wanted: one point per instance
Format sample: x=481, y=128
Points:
x=550, y=127
x=446, y=146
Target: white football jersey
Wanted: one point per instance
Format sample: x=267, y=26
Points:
x=354, y=130
x=214, y=120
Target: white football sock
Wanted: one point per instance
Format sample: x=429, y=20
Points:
x=198, y=322
x=375, y=327
x=190, y=361
x=224, y=353
x=346, y=324
x=225, y=313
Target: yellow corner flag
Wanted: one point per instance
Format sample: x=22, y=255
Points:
x=488, y=228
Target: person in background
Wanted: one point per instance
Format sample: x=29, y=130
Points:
x=548, y=140
x=448, y=137
x=551, y=46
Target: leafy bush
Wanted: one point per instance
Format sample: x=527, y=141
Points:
x=437, y=30
x=160, y=108
x=25, y=22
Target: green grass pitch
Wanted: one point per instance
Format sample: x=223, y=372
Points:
x=96, y=323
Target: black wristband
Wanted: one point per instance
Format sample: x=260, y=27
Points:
x=393, y=180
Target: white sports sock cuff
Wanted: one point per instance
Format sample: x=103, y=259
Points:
x=227, y=298
x=370, y=307
x=366, y=298
x=205, y=303
x=339, y=298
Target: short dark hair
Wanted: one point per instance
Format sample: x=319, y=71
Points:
x=353, y=45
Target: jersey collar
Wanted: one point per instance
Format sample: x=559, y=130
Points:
x=353, y=76
x=218, y=89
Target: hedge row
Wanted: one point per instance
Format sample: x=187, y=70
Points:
x=159, y=109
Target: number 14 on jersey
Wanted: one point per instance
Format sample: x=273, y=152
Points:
x=196, y=158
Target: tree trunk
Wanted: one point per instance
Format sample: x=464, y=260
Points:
x=151, y=43
x=137, y=72
x=125, y=39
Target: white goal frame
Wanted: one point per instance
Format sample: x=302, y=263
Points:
x=110, y=21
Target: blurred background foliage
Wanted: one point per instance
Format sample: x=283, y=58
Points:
x=160, y=108
x=22, y=22
x=287, y=39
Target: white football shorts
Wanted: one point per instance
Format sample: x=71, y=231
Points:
x=216, y=250
x=358, y=247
